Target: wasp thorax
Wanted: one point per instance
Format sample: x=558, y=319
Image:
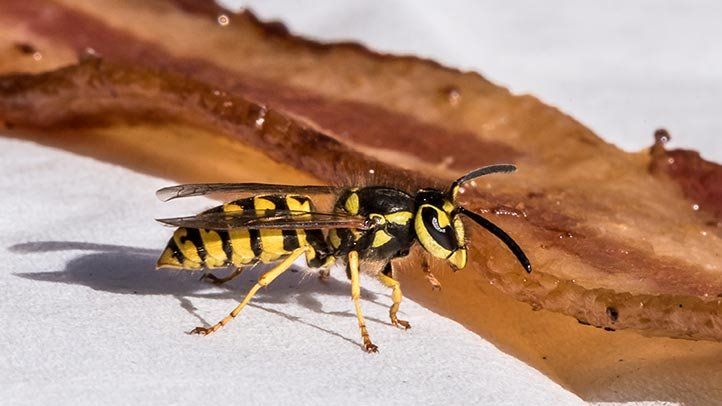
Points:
x=439, y=229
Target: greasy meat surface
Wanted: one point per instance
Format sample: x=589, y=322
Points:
x=617, y=240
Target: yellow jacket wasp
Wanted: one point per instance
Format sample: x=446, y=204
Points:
x=367, y=229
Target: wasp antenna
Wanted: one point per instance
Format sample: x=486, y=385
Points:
x=486, y=170
x=500, y=234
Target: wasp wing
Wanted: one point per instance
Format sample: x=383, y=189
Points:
x=201, y=189
x=276, y=219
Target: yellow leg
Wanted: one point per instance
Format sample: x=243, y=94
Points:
x=396, y=296
x=356, y=296
x=264, y=280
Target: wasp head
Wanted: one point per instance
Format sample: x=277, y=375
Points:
x=439, y=228
x=438, y=223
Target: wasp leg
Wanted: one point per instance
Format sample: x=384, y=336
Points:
x=435, y=284
x=386, y=277
x=264, y=280
x=356, y=296
x=220, y=281
x=325, y=272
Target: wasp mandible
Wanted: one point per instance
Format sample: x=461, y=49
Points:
x=367, y=228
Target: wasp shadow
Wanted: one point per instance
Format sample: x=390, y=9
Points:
x=131, y=270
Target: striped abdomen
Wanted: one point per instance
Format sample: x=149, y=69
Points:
x=191, y=248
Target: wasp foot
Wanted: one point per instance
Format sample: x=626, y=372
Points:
x=435, y=285
x=204, y=331
x=402, y=324
x=369, y=346
x=210, y=278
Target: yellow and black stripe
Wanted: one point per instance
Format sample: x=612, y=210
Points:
x=193, y=249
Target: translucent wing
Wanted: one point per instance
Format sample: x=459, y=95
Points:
x=277, y=219
x=202, y=189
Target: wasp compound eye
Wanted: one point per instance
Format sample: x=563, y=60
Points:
x=438, y=227
x=435, y=232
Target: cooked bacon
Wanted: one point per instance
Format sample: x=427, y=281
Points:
x=700, y=180
x=617, y=240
